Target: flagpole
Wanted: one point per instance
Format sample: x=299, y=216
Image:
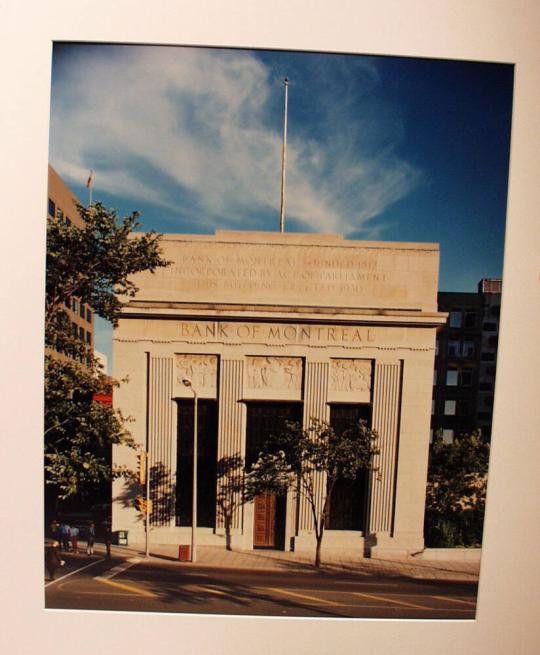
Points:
x=284, y=160
x=89, y=186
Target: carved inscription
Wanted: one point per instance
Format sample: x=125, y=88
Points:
x=278, y=273
x=271, y=333
x=200, y=370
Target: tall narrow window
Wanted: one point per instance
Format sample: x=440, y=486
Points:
x=206, y=462
x=348, y=500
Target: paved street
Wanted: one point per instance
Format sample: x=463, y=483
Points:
x=137, y=584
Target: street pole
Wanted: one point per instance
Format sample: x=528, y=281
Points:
x=187, y=383
x=147, y=462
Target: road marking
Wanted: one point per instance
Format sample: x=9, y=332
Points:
x=455, y=600
x=106, y=578
x=210, y=590
x=127, y=587
x=391, y=600
x=73, y=572
x=371, y=584
x=119, y=569
x=320, y=601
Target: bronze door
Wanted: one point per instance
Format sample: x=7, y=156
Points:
x=264, y=523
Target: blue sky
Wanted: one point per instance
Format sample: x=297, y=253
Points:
x=383, y=148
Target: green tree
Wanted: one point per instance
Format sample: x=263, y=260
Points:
x=92, y=264
x=456, y=491
x=297, y=458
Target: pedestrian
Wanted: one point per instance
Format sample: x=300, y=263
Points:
x=52, y=558
x=64, y=532
x=91, y=539
x=74, y=535
x=54, y=530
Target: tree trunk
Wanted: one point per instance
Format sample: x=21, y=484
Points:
x=228, y=532
x=318, y=550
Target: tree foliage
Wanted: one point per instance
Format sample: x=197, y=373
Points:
x=298, y=457
x=92, y=264
x=456, y=491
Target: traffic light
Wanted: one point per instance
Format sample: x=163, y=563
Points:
x=140, y=503
x=141, y=468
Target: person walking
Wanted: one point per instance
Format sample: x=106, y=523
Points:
x=52, y=558
x=91, y=538
x=74, y=534
x=54, y=530
x=64, y=532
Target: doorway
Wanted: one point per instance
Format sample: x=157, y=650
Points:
x=265, y=418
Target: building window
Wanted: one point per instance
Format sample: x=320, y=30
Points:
x=450, y=407
x=81, y=310
x=435, y=377
x=51, y=208
x=470, y=319
x=68, y=221
x=453, y=348
x=432, y=407
x=81, y=334
x=88, y=337
x=463, y=408
x=448, y=436
x=467, y=349
x=454, y=320
x=88, y=315
x=465, y=377
x=74, y=304
x=74, y=329
x=452, y=377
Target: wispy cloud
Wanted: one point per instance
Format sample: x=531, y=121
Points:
x=198, y=132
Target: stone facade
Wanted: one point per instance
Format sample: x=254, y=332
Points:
x=311, y=321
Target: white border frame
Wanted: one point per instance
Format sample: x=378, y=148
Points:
x=488, y=30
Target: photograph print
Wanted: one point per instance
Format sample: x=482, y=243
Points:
x=273, y=290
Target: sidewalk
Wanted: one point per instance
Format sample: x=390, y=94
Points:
x=331, y=561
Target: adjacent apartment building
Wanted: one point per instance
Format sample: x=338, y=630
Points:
x=62, y=206
x=465, y=361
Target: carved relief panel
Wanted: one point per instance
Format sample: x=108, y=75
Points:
x=275, y=378
x=201, y=370
x=350, y=380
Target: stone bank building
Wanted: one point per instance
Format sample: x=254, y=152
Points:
x=270, y=327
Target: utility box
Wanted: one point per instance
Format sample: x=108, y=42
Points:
x=183, y=553
x=121, y=538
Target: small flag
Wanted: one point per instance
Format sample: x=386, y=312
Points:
x=89, y=181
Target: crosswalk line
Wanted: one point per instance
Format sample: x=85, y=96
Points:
x=390, y=600
x=313, y=599
x=455, y=600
